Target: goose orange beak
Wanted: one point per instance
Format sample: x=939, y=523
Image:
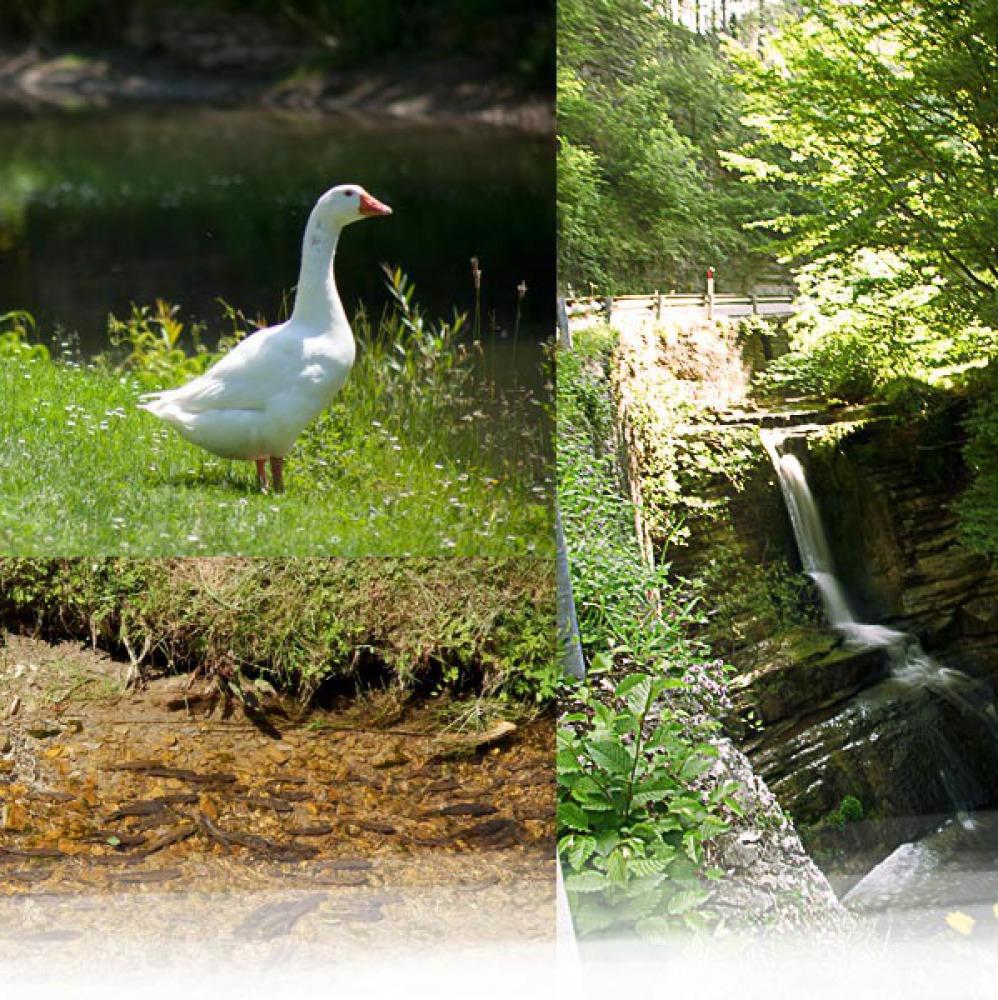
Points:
x=371, y=206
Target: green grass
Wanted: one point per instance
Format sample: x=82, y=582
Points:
x=416, y=457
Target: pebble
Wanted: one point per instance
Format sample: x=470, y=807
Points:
x=444, y=785
x=340, y=878
x=277, y=754
x=29, y=875
x=389, y=757
x=464, y=809
x=138, y=877
x=374, y=825
x=317, y=830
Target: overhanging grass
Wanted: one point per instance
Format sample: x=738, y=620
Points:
x=84, y=472
x=474, y=626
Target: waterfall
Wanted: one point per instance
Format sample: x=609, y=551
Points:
x=910, y=664
x=815, y=554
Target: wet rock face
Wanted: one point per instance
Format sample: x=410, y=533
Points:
x=804, y=672
x=902, y=750
x=830, y=722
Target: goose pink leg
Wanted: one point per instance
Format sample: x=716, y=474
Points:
x=277, y=473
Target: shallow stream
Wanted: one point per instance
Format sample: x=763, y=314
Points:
x=370, y=822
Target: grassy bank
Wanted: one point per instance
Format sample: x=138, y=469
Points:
x=417, y=456
x=476, y=626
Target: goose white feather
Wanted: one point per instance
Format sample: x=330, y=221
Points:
x=255, y=401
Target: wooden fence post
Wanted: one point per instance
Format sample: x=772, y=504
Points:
x=608, y=309
x=564, y=330
x=658, y=306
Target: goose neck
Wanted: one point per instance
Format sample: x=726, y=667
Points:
x=317, y=301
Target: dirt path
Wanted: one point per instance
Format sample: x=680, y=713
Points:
x=130, y=818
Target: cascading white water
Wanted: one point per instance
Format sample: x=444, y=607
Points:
x=816, y=557
x=910, y=664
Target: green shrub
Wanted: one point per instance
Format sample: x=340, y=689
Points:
x=911, y=398
x=149, y=345
x=850, y=810
x=635, y=810
x=16, y=330
x=633, y=825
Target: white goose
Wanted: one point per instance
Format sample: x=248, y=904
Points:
x=254, y=402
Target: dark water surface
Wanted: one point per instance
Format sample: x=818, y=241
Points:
x=101, y=210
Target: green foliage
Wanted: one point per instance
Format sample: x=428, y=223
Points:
x=643, y=106
x=868, y=318
x=633, y=826
x=911, y=399
x=16, y=331
x=466, y=626
x=881, y=116
x=850, y=810
x=634, y=814
x=582, y=243
x=977, y=506
x=614, y=586
x=750, y=598
x=152, y=338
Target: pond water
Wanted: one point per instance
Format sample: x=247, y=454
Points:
x=101, y=210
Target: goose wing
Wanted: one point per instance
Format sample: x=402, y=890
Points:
x=245, y=379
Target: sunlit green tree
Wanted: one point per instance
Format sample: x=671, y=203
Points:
x=644, y=104
x=885, y=115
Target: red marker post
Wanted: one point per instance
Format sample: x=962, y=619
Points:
x=710, y=293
